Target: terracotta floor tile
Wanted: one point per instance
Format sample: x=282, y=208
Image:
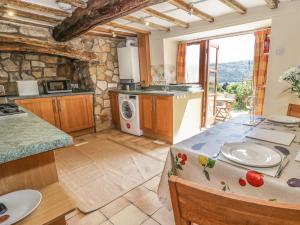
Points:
x=150, y=221
x=149, y=203
x=164, y=216
x=115, y=207
x=137, y=193
x=94, y=218
x=131, y=215
x=107, y=222
x=152, y=184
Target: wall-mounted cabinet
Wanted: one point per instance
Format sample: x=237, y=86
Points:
x=69, y=113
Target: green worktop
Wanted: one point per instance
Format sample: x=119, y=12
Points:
x=29, y=135
x=51, y=95
x=156, y=92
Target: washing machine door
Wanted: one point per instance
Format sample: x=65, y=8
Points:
x=127, y=110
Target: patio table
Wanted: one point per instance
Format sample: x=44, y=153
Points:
x=195, y=160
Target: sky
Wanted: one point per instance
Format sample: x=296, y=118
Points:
x=236, y=48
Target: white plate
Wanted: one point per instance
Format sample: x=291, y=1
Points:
x=251, y=154
x=20, y=204
x=283, y=119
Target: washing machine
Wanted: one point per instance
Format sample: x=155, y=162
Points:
x=130, y=114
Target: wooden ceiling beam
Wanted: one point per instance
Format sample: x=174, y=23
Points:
x=35, y=7
x=272, y=4
x=100, y=34
x=125, y=27
x=32, y=16
x=17, y=21
x=97, y=13
x=191, y=9
x=134, y=19
x=21, y=44
x=162, y=16
x=75, y=3
x=235, y=5
x=112, y=32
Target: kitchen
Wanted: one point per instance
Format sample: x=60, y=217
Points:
x=91, y=105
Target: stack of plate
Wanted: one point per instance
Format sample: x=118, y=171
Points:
x=251, y=154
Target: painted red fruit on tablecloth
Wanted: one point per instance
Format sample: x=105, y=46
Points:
x=242, y=182
x=184, y=157
x=255, y=179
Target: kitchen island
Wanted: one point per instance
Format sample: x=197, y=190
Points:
x=27, y=161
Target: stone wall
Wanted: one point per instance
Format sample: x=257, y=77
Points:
x=99, y=75
x=30, y=66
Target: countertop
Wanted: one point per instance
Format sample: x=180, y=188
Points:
x=51, y=95
x=29, y=135
x=157, y=92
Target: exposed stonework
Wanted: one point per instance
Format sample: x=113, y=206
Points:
x=99, y=75
x=5, y=28
x=21, y=66
x=34, y=32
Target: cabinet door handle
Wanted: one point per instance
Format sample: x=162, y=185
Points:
x=58, y=104
x=154, y=106
x=54, y=105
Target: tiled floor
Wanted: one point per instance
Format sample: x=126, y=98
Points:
x=140, y=206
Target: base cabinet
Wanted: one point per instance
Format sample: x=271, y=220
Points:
x=75, y=112
x=168, y=118
x=157, y=116
x=115, y=111
x=69, y=113
x=44, y=108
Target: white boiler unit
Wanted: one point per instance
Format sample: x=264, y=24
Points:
x=129, y=66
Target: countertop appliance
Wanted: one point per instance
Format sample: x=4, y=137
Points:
x=130, y=114
x=10, y=110
x=57, y=86
x=27, y=87
x=129, y=66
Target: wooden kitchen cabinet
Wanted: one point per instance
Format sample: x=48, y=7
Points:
x=44, y=108
x=75, y=112
x=146, y=113
x=157, y=116
x=69, y=113
x=163, y=116
x=114, y=102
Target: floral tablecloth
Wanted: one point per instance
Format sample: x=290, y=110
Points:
x=195, y=160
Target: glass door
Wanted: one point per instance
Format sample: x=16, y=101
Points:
x=209, y=81
x=212, y=80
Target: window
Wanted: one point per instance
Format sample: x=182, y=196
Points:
x=192, y=61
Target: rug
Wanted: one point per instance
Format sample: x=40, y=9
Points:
x=97, y=171
x=147, y=146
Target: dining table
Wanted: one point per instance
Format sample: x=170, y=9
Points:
x=198, y=159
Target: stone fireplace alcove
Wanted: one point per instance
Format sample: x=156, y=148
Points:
x=28, y=52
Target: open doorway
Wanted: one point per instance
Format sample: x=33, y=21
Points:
x=230, y=69
x=235, y=74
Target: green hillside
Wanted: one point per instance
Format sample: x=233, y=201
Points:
x=235, y=71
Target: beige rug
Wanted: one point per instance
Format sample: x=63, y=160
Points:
x=141, y=144
x=98, y=171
